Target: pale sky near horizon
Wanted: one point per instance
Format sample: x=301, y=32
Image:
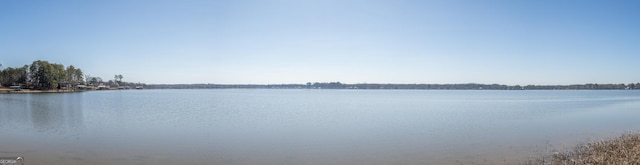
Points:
x=351, y=41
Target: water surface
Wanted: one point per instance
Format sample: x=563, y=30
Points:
x=274, y=126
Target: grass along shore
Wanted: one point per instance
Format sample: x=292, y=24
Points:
x=623, y=150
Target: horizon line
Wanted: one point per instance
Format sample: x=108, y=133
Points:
x=391, y=84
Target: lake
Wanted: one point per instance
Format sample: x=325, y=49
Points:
x=291, y=126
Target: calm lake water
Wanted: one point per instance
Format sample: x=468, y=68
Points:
x=265, y=126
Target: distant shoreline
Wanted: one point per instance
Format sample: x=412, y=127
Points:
x=28, y=91
x=338, y=85
x=361, y=86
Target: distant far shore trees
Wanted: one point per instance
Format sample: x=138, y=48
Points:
x=364, y=86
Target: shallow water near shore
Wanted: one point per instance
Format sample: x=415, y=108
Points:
x=289, y=126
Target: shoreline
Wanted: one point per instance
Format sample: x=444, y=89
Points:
x=624, y=149
x=29, y=91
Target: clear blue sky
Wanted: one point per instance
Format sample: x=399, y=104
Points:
x=352, y=41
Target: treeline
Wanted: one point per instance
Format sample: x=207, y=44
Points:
x=41, y=75
x=116, y=82
x=338, y=85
